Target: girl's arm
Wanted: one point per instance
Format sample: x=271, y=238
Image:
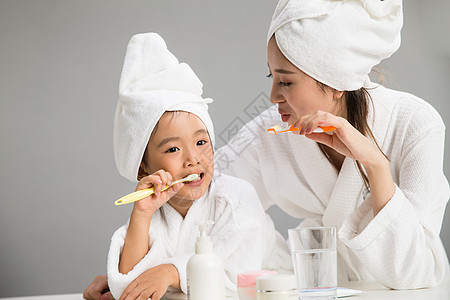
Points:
x=137, y=241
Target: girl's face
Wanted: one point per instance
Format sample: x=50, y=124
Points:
x=296, y=93
x=181, y=146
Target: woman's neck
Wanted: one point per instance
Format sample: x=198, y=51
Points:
x=334, y=157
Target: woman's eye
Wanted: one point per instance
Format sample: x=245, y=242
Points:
x=173, y=149
x=201, y=143
x=284, y=83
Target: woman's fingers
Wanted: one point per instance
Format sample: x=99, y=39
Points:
x=310, y=122
x=325, y=139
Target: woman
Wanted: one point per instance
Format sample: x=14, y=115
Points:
x=378, y=177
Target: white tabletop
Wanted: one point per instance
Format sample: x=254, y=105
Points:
x=371, y=290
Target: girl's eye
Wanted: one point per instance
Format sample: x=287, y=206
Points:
x=284, y=83
x=201, y=143
x=171, y=150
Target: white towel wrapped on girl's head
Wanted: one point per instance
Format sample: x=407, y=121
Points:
x=152, y=82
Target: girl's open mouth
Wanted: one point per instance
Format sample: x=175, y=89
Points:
x=196, y=182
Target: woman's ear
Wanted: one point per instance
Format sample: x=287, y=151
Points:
x=337, y=94
x=141, y=172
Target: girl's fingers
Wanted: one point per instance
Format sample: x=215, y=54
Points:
x=159, y=180
x=166, y=180
x=148, y=181
x=176, y=188
x=157, y=295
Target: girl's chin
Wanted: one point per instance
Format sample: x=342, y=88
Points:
x=192, y=194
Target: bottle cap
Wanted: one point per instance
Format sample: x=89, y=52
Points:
x=275, y=283
x=248, y=279
x=203, y=244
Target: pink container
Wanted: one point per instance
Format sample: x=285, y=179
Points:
x=246, y=283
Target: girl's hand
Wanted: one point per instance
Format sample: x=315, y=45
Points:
x=153, y=283
x=158, y=181
x=346, y=139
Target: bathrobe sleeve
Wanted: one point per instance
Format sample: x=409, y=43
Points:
x=400, y=246
x=117, y=281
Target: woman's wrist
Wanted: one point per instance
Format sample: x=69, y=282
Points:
x=382, y=186
x=377, y=167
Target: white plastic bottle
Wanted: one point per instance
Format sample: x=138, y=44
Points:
x=205, y=274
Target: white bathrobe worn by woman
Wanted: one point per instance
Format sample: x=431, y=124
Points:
x=243, y=236
x=399, y=247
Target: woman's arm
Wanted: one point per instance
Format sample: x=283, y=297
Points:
x=348, y=141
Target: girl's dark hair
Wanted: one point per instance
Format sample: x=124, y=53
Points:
x=357, y=103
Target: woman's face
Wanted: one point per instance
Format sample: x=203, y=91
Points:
x=181, y=146
x=296, y=93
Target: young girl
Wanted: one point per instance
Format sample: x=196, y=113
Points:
x=163, y=133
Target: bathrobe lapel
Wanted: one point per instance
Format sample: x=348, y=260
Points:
x=319, y=174
x=349, y=191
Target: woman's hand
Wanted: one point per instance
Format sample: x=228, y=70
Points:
x=346, y=139
x=98, y=289
x=351, y=143
x=153, y=283
x=158, y=181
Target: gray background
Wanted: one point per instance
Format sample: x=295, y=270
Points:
x=60, y=63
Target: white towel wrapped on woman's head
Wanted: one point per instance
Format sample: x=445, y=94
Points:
x=337, y=42
x=152, y=82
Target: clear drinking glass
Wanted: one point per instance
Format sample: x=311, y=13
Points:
x=315, y=263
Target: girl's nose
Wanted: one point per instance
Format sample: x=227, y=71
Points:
x=191, y=158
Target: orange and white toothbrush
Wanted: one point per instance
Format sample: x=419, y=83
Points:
x=277, y=129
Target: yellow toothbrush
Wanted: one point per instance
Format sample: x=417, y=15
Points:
x=141, y=194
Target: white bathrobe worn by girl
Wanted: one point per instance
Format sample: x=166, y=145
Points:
x=399, y=247
x=243, y=236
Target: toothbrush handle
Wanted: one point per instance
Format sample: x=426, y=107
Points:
x=141, y=194
x=138, y=195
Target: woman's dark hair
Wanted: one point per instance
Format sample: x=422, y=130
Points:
x=357, y=103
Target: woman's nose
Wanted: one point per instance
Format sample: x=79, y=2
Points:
x=275, y=96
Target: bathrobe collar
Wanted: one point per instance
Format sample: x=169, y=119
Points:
x=341, y=193
x=349, y=190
